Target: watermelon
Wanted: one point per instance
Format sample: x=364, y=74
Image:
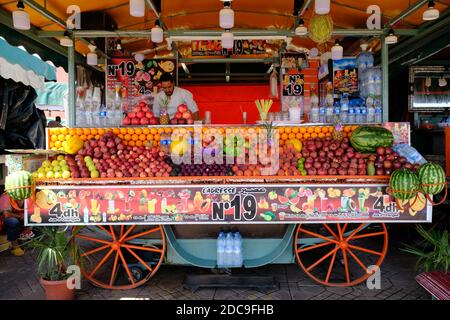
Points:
x=431, y=173
x=367, y=139
x=404, y=184
x=18, y=179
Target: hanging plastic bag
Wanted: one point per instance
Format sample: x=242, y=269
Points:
x=274, y=84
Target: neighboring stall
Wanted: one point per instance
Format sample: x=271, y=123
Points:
x=321, y=175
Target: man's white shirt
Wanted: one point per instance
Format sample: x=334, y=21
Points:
x=179, y=96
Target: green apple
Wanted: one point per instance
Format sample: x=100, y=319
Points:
x=50, y=174
x=57, y=175
x=62, y=162
x=65, y=168
x=91, y=167
x=41, y=170
x=41, y=175
x=60, y=157
x=55, y=163
x=87, y=159
x=46, y=164
x=95, y=174
x=47, y=169
x=56, y=168
x=66, y=174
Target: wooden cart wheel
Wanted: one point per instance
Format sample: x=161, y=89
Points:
x=340, y=255
x=112, y=256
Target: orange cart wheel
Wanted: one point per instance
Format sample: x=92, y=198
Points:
x=340, y=255
x=120, y=257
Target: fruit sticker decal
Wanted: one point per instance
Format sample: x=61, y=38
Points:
x=220, y=204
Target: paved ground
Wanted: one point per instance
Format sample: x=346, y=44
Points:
x=18, y=281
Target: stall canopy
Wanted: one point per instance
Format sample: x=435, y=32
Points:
x=194, y=16
x=17, y=64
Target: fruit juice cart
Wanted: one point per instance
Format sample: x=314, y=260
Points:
x=333, y=227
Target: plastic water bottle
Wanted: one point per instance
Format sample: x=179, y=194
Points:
x=322, y=114
x=344, y=108
x=315, y=113
x=363, y=114
x=336, y=110
x=357, y=114
x=378, y=113
x=228, y=256
x=237, y=250
x=220, y=249
x=329, y=114
x=351, y=115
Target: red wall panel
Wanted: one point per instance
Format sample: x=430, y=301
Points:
x=225, y=101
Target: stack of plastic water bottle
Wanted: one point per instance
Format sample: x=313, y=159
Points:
x=229, y=250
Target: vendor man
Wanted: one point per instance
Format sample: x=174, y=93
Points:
x=176, y=96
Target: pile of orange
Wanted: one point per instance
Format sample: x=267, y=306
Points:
x=152, y=136
x=305, y=132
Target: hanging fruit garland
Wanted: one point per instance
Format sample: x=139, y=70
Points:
x=320, y=28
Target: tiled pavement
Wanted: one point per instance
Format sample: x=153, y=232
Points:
x=19, y=281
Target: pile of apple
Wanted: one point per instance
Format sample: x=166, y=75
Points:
x=141, y=115
x=332, y=157
x=55, y=167
x=108, y=157
x=182, y=116
x=386, y=161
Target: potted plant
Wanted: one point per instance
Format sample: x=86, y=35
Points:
x=433, y=251
x=54, y=254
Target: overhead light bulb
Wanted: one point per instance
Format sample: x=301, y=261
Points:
x=21, y=19
x=137, y=8
x=322, y=6
x=314, y=52
x=66, y=41
x=391, y=38
x=226, y=16
x=157, y=33
x=119, y=44
x=431, y=13
x=301, y=30
x=337, y=51
x=227, y=40
x=139, y=57
x=91, y=57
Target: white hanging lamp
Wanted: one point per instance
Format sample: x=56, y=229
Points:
x=157, y=33
x=322, y=7
x=431, y=13
x=226, y=16
x=91, y=57
x=227, y=39
x=391, y=38
x=139, y=57
x=301, y=30
x=137, y=8
x=21, y=19
x=66, y=41
x=337, y=51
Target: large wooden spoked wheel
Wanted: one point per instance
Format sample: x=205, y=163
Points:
x=119, y=257
x=340, y=255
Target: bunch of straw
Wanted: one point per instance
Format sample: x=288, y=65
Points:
x=263, y=108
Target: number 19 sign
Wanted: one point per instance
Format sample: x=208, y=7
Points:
x=293, y=84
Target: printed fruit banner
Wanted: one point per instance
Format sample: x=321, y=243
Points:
x=86, y=205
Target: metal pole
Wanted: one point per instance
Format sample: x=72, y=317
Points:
x=385, y=77
x=71, y=68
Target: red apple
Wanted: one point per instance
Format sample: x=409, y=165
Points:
x=149, y=114
x=178, y=115
x=135, y=121
x=182, y=108
x=126, y=121
x=131, y=115
x=145, y=121
x=140, y=114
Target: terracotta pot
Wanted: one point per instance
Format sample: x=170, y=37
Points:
x=57, y=290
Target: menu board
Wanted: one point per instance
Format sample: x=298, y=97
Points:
x=345, y=76
x=219, y=204
x=131, y=79
x=214, y=47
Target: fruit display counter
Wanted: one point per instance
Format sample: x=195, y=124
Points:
x=307, y=194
